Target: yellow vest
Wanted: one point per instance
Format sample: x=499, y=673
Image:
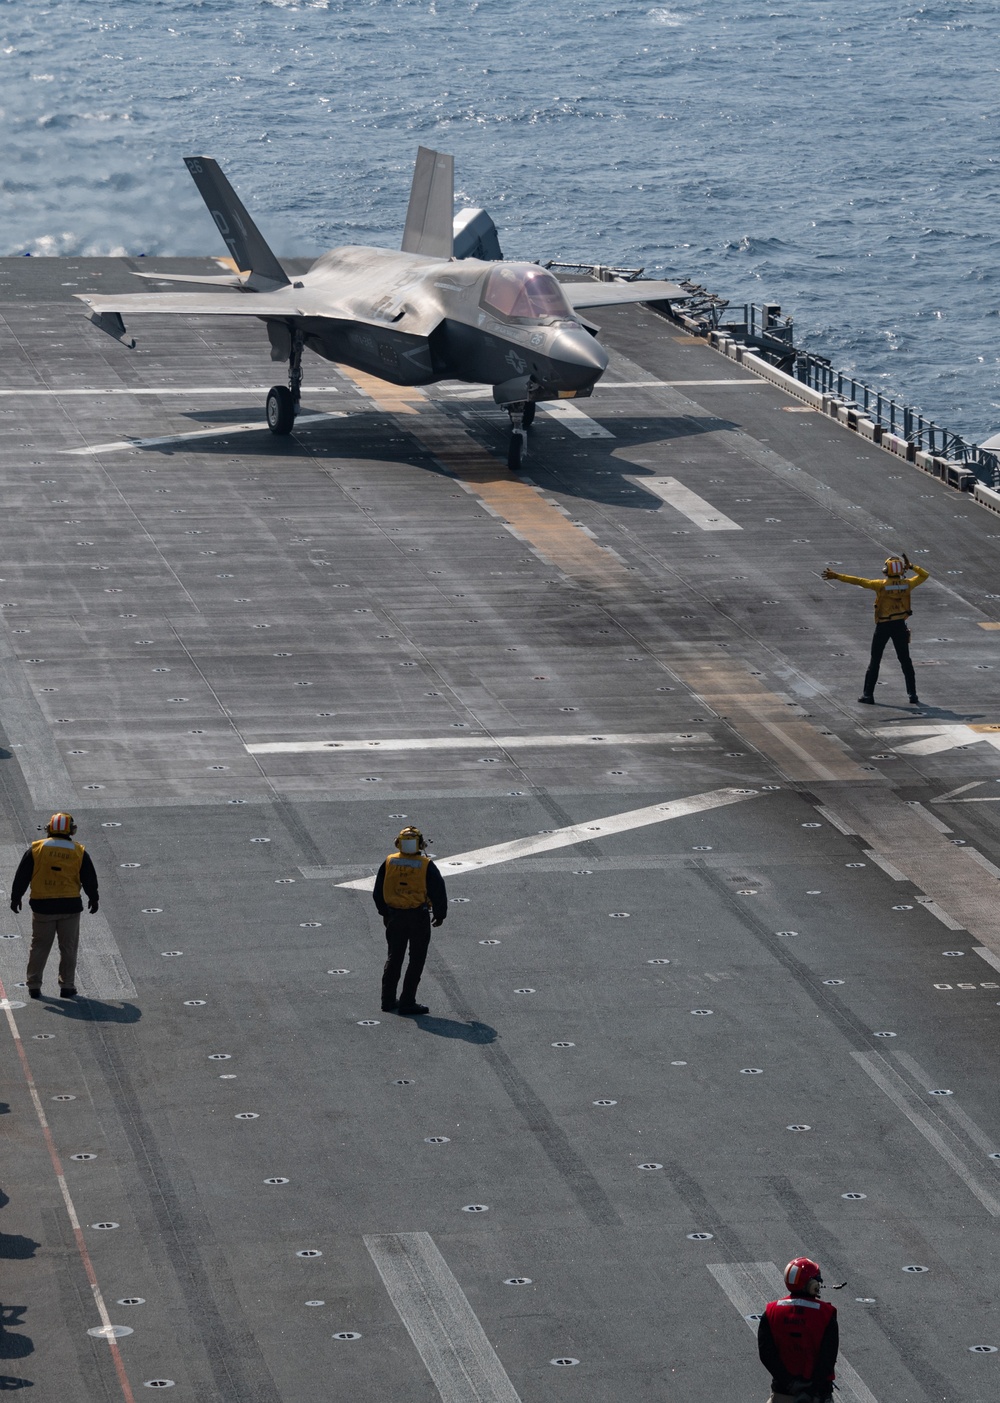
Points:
x=57, y=868
x=892, y=595
x=405, y=883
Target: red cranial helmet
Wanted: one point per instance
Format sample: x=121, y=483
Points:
x=799, y=1272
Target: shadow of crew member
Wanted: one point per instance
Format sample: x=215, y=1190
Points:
x=798, y=1338
x=409, y=890
x=56, y=868
x=892, y=609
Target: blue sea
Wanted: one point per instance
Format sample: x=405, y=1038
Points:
x=838, y=157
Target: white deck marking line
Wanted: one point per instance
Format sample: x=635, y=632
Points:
x=234, y=390
x=484, y=742
x=750, y=1285
x=932, y=819
x=929, y=905
x=938, y=739
x=837, y=822
x=578, y=833
x=985, y=954
x=567, y=414
x=668, y=384
x=71, y=1213
x=962, y=789
x=977, y=856
x=120, y=445
x=886, y=866
x=439, y=1320
x=946, y=1103
x=682, y=499
x=458, y=392
x=883, y=1079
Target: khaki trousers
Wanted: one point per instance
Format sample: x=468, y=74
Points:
x=44, y=930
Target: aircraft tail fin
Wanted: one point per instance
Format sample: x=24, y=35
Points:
x=431, y=211
x=242, y=237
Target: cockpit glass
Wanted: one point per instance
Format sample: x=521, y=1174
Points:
x=533, y=293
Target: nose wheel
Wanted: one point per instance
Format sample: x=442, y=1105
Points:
x=282, y=404
x=521, y=416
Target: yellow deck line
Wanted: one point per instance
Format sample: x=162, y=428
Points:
x=795, y=746
x=522, y=506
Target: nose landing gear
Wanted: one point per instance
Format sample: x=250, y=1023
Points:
x=521, y=417
x=283, y=404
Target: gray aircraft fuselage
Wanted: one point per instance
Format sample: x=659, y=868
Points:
x=412, y=320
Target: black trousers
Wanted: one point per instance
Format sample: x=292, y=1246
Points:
x=899, y=633
x=402, y=929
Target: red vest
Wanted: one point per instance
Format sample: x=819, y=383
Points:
x=798, y=1324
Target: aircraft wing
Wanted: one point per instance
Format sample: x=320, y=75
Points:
x=613, y=294
x=287, y=303
x=283, y=303
x=208, y=279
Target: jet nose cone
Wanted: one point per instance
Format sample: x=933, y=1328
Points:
x=578, y=360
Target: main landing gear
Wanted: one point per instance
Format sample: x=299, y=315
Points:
x=521, y=418
x=283, y=404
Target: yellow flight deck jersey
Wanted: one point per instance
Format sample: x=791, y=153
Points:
x=56, y=872
x=892, y=595
x=405, y=882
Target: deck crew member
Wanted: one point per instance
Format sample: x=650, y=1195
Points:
x=892, y=609
x=56, y=868
x=410, y=897
x=798, y=1338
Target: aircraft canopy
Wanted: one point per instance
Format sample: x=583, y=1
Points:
x=532, y=293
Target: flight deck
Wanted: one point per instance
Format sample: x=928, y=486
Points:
x=720, y=979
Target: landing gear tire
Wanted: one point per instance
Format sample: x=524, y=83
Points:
x=280, y=410
x=515, y=449
x=528, y=415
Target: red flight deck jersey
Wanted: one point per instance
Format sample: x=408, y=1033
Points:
x=798, y=1325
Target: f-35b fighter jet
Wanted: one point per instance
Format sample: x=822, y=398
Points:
x=412, y=317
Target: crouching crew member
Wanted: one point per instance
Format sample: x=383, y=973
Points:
x=410, y=897
x=798, y=1338
x=56, y=868
x=892, y=609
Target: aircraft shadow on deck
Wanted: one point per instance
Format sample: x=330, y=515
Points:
x=361, y=436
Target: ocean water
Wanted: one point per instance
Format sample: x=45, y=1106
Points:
x=839, y=157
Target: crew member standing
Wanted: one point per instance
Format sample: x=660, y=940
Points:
x=410, y=897
x=56, y=868
x=892, y=609
x=798, y=1338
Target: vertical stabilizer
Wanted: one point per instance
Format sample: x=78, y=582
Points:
x=242, y=237
x=432, y=204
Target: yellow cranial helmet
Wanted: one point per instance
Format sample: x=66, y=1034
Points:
x=894, y=566
x=61, y=825
x=411, y=840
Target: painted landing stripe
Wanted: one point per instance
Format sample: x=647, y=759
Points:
x=567, y=414
x=252, y=426
x=225, y=391
x=682, y=499
x=750, y=1285
x=896, y=1089
x=578, y=833
x=484, y=742
x=439, y=1320
x=71, y=1213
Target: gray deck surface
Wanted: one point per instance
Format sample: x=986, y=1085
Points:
x=380, y=576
